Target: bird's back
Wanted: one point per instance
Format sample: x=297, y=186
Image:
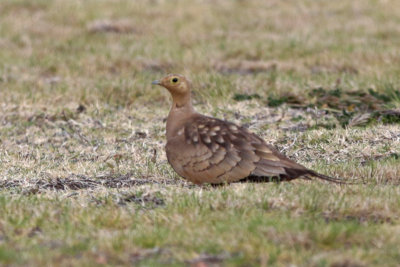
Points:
x=209, y=150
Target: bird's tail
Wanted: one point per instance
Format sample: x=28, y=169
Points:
x=327, y=178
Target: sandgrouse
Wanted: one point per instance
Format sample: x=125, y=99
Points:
x=208, y=150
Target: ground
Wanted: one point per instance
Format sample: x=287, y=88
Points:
x=83, y=175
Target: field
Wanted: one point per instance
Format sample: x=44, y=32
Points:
x=84, y=179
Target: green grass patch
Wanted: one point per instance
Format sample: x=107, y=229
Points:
x=84, y=180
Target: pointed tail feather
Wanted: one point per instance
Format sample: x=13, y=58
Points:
x=327, y=178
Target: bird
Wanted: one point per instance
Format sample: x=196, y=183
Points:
x=207, y=150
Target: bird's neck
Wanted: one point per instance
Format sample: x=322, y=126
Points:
x=181, y=109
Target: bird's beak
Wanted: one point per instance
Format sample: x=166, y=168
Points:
x=156, y=82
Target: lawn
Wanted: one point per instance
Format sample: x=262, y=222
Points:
x=84, y=179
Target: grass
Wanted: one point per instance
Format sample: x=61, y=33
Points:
x=83, y=175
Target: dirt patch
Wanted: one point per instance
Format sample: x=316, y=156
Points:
x=350, y=108
x=138, y=256
x=338, y=99
x=208, y=260
x=333, y=68
x=147, y=200
x=350, y=100
x=113, y=26
x=155, y=65
x=376, y=157
x=244, y=67
x=347, y=263
x=76, y=182
x=362, y=216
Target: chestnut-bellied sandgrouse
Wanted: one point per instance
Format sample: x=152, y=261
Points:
x=208, y=150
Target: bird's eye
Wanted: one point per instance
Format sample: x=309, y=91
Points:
x=175, y=80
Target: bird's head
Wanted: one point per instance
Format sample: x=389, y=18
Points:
x=175, y=83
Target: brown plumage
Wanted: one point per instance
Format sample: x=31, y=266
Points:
x=208, y=150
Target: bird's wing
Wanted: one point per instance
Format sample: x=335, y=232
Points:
x=208, y=150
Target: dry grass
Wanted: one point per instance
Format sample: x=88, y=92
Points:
x=83, y=175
